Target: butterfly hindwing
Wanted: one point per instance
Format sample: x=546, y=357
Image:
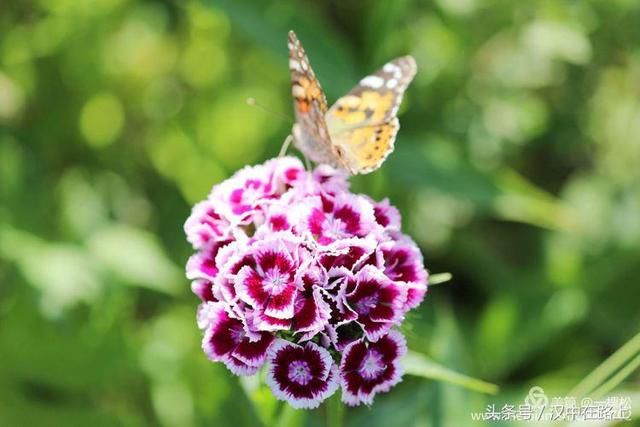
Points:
x=364, y=149
x=310, y=132
x=367, y=115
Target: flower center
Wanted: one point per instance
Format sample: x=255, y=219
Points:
x=237, y=334
x=335, y=227
x=366, y=304
x=251, y=193
x=299, y=372
x=275, y=281
x=372, y=365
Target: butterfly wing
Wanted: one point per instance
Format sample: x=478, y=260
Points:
x=310, y=132
x=362, y=124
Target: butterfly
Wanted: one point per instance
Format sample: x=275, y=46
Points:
x=358, y=132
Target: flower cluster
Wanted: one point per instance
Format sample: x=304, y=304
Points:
x=295, y=271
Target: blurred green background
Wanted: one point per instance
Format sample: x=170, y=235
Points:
x=517, y=169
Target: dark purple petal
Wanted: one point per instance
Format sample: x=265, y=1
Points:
x=344, y=334
x=279, y=222
x=402, y=262
x=250, y=287
x=312, y=313
x=281, y=305
x=345, y=217
x=205, y=225
x=238, y=367
x=223, y=335
x=253, y=353
x=268, y=323
x=347, y=253
x=386, y=215
x=316, y=222
x=203, y=289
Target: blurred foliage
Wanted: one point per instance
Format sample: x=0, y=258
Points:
x=517, y=169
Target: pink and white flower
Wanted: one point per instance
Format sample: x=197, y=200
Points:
x=291, y=267
x=269, y=284
x=346, y=216
x=304, y=376
x=369, y=368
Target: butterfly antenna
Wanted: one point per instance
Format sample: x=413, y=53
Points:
x=252, y=101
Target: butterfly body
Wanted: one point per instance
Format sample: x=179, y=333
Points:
x=358, y=132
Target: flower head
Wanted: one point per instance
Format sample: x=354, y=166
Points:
x=297, y=273
x=369, y=368
x=302, y=375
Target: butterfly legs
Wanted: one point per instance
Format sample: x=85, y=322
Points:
x=285, y=145
x=307, y=163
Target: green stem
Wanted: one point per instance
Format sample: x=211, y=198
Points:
x=622, y=374
x=335, y=411
x=607, y=368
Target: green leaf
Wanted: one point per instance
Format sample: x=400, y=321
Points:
x=63, y=272
x=262, y=400
x=136, y=257
x=421, y=366
x=290, y=417
x=268, y=24
x=436, y=279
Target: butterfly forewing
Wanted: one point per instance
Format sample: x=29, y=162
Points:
x=310, y=132
x=363, y=124
x=375, y=99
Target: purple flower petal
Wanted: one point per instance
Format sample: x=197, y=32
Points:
x=311, y=312
x=238, y=367
x=206, y=225
x=203, y=289
x=347, y=253
x=402, y=262
x=386, y=215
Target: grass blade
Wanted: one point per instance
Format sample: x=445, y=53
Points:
x=421, y=366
